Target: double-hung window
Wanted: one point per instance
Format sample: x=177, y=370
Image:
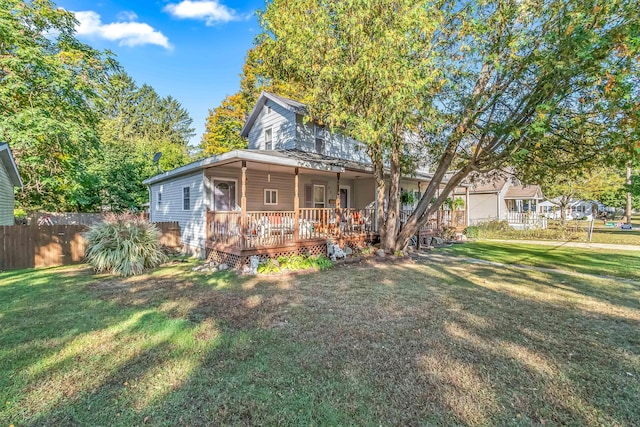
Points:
x=268, y=139
x=186, y=198
x=270, y=196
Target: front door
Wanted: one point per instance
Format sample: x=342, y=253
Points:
x=344, y=197
x=224, y=195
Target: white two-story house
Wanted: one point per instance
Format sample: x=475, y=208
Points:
x=296, y=185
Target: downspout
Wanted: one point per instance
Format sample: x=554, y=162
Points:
x=150, y=203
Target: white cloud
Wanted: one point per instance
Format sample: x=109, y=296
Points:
x=210, y=11
x=127, y=15
x=127, y=32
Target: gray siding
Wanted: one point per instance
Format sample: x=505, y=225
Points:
x=336, y=144
x=290, y=132
x=193, y=221
x=7, y=200
x=282, y=124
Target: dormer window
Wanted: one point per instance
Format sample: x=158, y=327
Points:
x=319, y=134
x=268, y=139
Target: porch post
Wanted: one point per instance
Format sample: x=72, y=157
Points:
x=243, y=205
x=466, y=206
x=338, y=212
x=296, y=207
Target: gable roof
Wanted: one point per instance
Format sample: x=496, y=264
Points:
x=524, y=192
x=286, y=103
x=494, y=186
x=6, y=157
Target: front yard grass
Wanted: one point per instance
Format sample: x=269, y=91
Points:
x=602, y=262
x=409, y=343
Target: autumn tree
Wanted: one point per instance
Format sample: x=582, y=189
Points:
x=48, y=93
x=479, y=84
x=224, y=123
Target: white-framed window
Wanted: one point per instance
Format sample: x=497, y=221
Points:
x=318, y=196
x=320, y=137
x=159, y=199
x=270, y=196
x=268, y=139
x=186, y=198
x=268, y=109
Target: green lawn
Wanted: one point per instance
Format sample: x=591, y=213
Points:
x=406, y=343
x=591, y=261
x=573, y=231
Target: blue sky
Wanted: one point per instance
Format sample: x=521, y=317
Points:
x=191, y=50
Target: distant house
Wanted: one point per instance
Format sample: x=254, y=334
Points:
x=575, y=209
x=297, y=185
x=9, y=179
x=504, y=199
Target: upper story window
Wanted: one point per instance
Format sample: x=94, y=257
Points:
x=320, y=139
x=268, y=139
x=268, y=110
x=186, y=198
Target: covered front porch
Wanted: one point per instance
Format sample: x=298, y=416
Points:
x=264, y=208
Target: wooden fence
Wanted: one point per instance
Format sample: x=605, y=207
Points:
x=29, y=246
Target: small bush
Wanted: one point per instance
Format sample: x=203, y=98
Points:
x=268, y=267
x=320, y=262
x=471, y=232
x=123, y=245
x=294, y=263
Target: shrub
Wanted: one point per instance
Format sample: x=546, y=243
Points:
x=269, y=267
x=123, y=245
x=294, y=263
x=320, y=262
x=471, y=232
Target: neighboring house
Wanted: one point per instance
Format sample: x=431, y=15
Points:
x=295, y=186
x=575, y=209
x=504, y=199
x=9, y=178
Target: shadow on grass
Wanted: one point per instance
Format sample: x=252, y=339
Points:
x=382, y=344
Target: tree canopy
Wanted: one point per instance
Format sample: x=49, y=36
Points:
x=48, y=95
x=83, y=133
x=540, y=84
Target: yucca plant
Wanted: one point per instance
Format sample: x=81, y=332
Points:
x=124, y=245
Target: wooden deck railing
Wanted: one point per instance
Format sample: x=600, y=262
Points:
x=224, y=227
x=439, y=219
x=274, y=228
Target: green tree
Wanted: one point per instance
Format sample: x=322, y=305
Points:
x=481, y=84
x=135, y=124
x=48, y=93
x=583, y=185
x=130, y=112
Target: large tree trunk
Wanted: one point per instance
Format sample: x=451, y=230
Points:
x=393, y=209
x=378, y=174
x=627, y=209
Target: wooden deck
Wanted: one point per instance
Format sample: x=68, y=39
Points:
x=232, y=237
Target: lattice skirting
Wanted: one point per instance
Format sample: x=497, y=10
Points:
x=238, y=261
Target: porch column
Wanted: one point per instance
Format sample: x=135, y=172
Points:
x=466, y=206
x=338, y=212
x=296, y=207
x=243, y=205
